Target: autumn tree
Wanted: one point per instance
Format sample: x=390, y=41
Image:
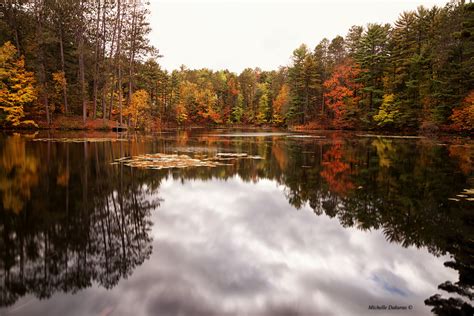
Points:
x=59, y=94
x=238, y=109
x=207, y=104
x=231, y=99
x=463, y=116
x=342, y=96
x=263, y=104
x=138, y=109
x=248, y=87
x=16, y=88
x=388, y=113
x=280, y=105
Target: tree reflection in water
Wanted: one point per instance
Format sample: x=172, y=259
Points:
x=70, y=218
x=84, y=221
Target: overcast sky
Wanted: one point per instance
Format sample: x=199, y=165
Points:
x=235, y=34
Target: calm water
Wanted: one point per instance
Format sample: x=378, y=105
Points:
x=326, y=225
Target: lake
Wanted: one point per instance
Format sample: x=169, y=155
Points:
x=254, y=223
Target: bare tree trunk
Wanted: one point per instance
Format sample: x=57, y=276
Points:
x=119, y=63
x=82, y=77
x=42, y=73
x=96, y=59
x=61, y=48
x=112, y=90
x=81, y=63
x=11, y=11
x=46, y=105
x=104, y=105
x=132, y=55
x=322, y=102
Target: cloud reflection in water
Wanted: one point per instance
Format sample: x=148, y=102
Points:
x=238, y=248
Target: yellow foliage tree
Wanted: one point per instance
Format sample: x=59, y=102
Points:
x=388, y=112
x=16, y=88
x=60, y=84
x=181, y=113
x=139, y=109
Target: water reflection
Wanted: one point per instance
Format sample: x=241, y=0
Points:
x=67, y=220
x=70, y=219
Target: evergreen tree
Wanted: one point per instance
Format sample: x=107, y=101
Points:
x=372, y=56
x=305, y=84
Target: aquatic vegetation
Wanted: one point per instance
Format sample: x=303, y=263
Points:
x=306, y=136
x=168, y=161
x=466, y=194
x=79, y=140
x=227, y=156
x=390, y=136
x=165, y=161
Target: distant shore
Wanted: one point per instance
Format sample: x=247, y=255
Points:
x=76, y=123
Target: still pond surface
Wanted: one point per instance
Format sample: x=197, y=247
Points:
x=314, y=224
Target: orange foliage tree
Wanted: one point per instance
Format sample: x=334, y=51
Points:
x=207, y=105
x=198, y=103
x=462, y=117
x=341, y=96
x=280, y=105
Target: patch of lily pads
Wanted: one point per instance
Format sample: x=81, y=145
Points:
x=170, y=161
x=78, y=140
x=306, y=136
x=164, y=161
x=232, y=156
x=390, y=136
x=467, y=194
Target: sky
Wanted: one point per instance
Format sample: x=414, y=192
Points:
x=236, y=34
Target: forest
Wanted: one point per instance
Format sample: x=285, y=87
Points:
x=92, y=60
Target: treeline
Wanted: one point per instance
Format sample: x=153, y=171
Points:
x=415, y=74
